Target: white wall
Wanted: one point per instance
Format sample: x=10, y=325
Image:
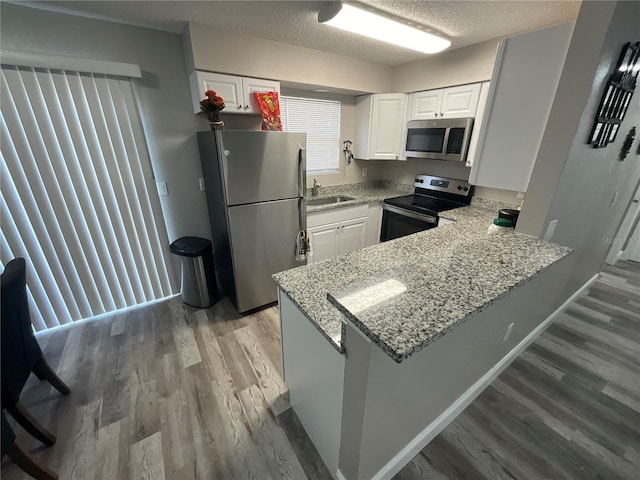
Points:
x=250, y=56
x=164, y=97
x=571, y=181
x=463, y=65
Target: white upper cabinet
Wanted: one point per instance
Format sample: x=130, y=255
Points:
x=452, y=102
x=523, y=87
x=426, y=105
x=380, y=126
x=251, y=85
x=460, y=102
x=479, y=123
x=237, y=92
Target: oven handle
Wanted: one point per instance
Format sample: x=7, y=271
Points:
x=408, y=213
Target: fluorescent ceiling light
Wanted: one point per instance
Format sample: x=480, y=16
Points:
x=364, y=22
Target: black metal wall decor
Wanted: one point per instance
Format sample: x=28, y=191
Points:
x=616, y=97
x=626, y=145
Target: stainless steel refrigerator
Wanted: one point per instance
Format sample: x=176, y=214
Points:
x=255, y=183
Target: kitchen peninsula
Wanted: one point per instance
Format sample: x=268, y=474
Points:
x=382, y=347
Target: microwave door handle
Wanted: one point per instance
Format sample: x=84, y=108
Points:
x=466, y=140
x=445, y=145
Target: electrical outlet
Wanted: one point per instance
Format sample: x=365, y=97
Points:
x=551, y=229
x=364, y=172
x=201, y=182
x=508, y=332
x=520, y=195
x=162, y=189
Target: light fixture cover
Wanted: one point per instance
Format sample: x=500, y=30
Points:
x=363, y=22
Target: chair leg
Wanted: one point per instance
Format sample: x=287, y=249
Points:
x=28, y=464
x=30, y=424
x=44, y=372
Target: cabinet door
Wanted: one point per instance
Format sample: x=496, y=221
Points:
x=324, y=241
x=352, y=235
x=524, y=83
x=460, y=102
x=374, y=222
x=426, y=105
x=479, y=124
x=250, y=85
x=228, y=87
x=387, y=123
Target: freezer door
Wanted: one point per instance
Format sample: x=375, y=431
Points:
x=262, y=166
x=263, y=242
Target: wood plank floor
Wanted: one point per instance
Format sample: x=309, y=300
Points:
x=172, y=392
x=567, y=408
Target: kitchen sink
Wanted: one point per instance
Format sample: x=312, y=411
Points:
x=328, y=200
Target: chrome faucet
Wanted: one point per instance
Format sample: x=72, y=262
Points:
x=316, y=187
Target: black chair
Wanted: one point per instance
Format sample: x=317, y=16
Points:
x=21, y=353
x=20, y=456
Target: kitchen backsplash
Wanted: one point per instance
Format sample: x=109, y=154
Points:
x=338, y=189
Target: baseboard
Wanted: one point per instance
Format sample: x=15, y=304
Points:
x=440, y=423
x=105, y=315
x=339, y=475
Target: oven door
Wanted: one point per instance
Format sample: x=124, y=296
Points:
x=398, y=222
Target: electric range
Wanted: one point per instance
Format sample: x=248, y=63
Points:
x=410, y=214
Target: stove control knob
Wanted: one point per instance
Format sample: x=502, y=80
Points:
x=459, y=187
x=466, y=189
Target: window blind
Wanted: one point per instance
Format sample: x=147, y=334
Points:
x=77, y=198
x=320, y=120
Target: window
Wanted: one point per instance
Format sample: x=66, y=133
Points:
x=320, y=120
x=77, y=197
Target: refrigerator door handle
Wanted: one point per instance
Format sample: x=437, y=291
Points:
x=302, y=213
x=302, y=180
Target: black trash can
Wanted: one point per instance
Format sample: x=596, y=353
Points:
x=197, y=273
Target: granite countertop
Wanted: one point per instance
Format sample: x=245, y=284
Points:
x=361, y=192
x=406, y=293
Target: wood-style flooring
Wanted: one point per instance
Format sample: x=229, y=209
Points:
x=567, y=408
x=171, y=392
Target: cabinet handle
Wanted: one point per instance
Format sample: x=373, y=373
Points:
x=239, y=106
x=246, y=106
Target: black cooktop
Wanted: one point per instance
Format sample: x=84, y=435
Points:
x=423, y=204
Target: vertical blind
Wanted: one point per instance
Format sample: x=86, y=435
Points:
x=76, y=196
x=320, y=120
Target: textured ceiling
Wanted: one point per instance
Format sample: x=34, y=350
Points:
x=295, y=22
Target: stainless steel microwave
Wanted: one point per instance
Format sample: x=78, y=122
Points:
x=441, y=139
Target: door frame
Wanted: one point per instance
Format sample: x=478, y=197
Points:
x=629, y=224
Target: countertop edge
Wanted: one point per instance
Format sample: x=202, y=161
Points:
x=339, y=348
x=400, y=358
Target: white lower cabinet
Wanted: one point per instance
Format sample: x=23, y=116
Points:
x=324, y=241
x=337, y=231
x=374, y=224
x=352, y=235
